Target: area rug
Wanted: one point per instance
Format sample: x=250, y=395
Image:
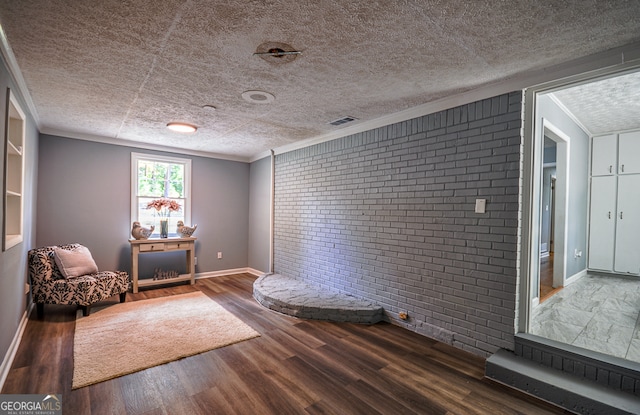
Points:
x=125, y=338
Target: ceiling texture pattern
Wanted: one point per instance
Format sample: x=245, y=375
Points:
x=123, y=69
x=607, y=105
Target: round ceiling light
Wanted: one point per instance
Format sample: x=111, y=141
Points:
x=181, y=127
x=258, y=97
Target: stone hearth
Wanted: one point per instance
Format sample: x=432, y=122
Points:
x=300, y=299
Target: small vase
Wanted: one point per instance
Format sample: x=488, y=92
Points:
x=164, y=228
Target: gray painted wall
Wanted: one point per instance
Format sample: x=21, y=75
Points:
x=578, y=182
x=388, y=215
x=13, y=266
x=84, y=196
x=260, y=214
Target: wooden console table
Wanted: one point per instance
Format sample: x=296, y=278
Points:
x=162, y=245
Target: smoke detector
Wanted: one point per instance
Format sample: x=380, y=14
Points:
x=258, y=97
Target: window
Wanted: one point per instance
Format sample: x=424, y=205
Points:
x=154, y=177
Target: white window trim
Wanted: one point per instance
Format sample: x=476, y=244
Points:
x=175, y=160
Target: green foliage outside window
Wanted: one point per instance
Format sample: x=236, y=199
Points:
x=157, y=179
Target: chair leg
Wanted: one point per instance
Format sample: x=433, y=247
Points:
x=86, y=310
x=40, y=310
x=123, y=297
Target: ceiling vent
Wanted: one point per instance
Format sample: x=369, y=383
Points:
x=342, y=120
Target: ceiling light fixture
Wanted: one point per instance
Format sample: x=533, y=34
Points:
x=181, y=127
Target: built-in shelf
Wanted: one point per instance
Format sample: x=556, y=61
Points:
x=13, y=150
x=13, y=240
x=12, y=224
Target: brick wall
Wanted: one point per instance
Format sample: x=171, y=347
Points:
x=388, y=215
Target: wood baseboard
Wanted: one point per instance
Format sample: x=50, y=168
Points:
x=13, y=347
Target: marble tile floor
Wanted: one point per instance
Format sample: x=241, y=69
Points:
x=598, y=312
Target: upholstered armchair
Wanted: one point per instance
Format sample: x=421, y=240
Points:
x=67, y=274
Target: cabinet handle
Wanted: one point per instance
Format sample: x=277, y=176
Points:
x=623, y=168
x=609, y=215
x=620, y=215
x=611, y=169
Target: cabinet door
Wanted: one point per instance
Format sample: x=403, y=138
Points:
x=602, y=223
x=629, y=158
x=604, y=152
x=627, y=255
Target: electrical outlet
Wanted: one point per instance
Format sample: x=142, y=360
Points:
x=219, y=255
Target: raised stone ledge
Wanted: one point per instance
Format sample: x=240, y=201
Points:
x=300, y=299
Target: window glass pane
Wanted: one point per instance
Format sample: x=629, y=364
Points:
x=159, y=179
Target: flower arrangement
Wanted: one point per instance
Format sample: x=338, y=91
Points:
x=164, y=206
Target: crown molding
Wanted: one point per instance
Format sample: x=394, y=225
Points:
x=16, y=75
x=569, y=114
x=139, y=145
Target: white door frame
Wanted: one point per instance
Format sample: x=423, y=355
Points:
x=540, y=129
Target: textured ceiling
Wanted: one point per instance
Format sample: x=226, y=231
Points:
x=123, y=69
x=603, y=106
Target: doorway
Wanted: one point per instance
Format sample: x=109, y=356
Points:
x=547, y=219
x=572, y=316
x=546, y=236
x=553, y=211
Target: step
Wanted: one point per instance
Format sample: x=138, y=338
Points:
x=575, y=394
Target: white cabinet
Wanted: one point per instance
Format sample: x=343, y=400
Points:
x=614, y=218
x=604, y=155
x=627, y=252
x=602, y=218
x=629, y=153
x=616, y=154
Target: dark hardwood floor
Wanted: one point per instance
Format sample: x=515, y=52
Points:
x=295, y=367
x=546, y=278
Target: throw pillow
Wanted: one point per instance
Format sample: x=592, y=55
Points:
x=76, y=262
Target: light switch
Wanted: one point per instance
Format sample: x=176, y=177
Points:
x=481, y=205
